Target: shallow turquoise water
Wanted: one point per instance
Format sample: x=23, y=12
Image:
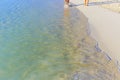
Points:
x=40, y=40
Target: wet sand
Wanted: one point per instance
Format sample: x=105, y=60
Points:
x=92, y=63
x=104, y=26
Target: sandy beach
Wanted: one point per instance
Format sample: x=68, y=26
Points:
x=104, y=23
x=113, y=5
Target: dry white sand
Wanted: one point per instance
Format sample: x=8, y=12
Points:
x=104, y=26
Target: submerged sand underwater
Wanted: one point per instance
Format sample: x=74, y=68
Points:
x=40, y=44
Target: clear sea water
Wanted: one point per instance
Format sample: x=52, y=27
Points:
x=40, y=40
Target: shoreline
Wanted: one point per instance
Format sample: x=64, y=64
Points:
x=89, y=53
x=104, y=27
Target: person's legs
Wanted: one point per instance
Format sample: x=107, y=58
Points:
x=86, y=2
x=67, y=2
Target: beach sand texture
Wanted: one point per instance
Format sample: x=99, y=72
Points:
x=104, y=25
x=113, y=5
